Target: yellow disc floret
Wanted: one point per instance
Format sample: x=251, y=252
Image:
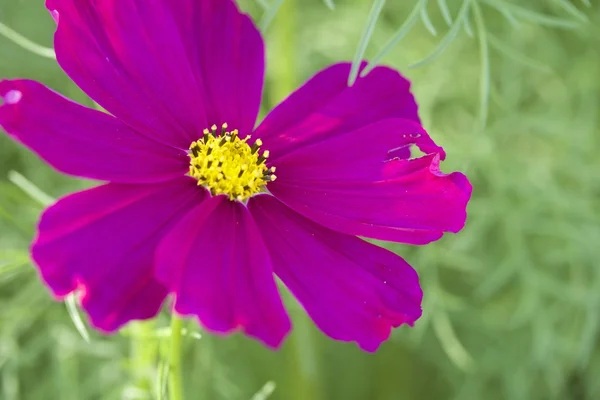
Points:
x=226, y=164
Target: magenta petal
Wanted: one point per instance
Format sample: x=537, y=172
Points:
x=81, y=141
x=102, y=241
x=353, y=290
x=325, y=106
x=352, y=156
x=167, y=68
x=229, y=51
x=414, y=202
x=216, y=264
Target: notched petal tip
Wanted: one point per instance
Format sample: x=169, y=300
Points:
x=232, y=288
x=458, y=178
x=409, y=201
x=352, y=289
x=460, y=192
x=100, y=244
x=273, y=340
x=383, y=327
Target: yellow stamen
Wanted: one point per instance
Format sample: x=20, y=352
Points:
x=226, y=164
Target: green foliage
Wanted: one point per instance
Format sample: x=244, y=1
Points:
x=512, y=303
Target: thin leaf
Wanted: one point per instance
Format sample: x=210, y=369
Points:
x=453, y=348
x=509, y=52
x=13, y=255
x=265, y=392
x=590, y=333
x=329, y=4
x=450, y=36
x=445, y=11
x=30, y=188
x=467, y=27
x=532, y=16
x=25, y=43
x=269, y=15
x=161, y=382
x=263, y=3
x=364, y=40
x=496, y=280
x=73, y=310
x=426, y=21
x=398, y=36
x=510, y=18
x=10, y=269
x=485, y=78
x=571, y=9
x=24, y=228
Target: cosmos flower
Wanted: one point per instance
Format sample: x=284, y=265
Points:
x=201, y=205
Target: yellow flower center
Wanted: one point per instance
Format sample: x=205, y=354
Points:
x=226, y=164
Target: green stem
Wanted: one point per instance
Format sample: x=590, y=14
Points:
x=283, y=39
x=302, y=357
x=303, y=362
x=175, y=378
x=144, y=352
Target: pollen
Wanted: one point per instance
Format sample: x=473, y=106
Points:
x=226, y=164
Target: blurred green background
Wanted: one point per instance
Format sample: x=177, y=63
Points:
x=512, y=303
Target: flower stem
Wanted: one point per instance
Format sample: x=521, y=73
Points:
x=303, y=360
x=175, y=377
x=144, y=352
x=283, y=39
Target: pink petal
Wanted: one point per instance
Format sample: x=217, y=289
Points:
x=353, y=290
x=216, y=263
x=83, y=142
x=102, y=241
x=325, y=106
x=412, y=202
x=167, y=68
